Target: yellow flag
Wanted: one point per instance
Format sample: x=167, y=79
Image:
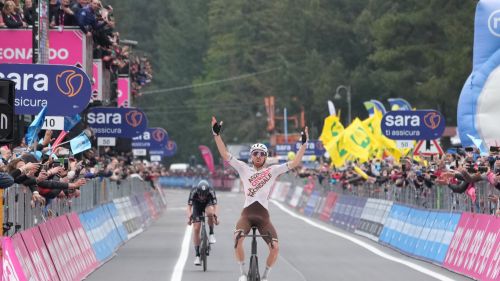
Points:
x=336, y=149
x=331, y=129
x=357, y=140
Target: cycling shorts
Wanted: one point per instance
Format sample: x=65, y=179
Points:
x=256, y=215
x=199, y=208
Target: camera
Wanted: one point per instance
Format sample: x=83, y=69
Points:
x=469, y=149
x=494, y=149
x=482, y=169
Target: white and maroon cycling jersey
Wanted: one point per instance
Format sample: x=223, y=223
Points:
x=257, y=184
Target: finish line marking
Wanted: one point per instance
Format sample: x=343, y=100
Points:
x=365, y=245
x=181, y=262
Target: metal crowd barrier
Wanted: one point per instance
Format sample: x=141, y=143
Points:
x=19, y=213
x=438, y=197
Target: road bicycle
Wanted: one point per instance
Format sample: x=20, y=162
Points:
x=205, y=245
x=253, y=268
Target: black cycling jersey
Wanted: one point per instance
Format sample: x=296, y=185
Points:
x=199, y=197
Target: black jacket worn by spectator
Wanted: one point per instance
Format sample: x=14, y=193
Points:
x=13, y=21
x=65, y=19
x=29, y=15
x=6, y=180
x=31, y=183
x=87, y=20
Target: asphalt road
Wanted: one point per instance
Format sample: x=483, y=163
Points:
x=309, y=250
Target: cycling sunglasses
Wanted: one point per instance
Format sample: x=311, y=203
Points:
x=259, y=153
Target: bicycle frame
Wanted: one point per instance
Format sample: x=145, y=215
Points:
x=253, y=268
x=204, y=245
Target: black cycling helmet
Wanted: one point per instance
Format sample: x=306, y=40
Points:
x=203, y=188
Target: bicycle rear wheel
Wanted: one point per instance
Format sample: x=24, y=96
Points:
x=253, y=269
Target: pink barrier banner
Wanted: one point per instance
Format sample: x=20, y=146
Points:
x=11, y=268
x=18, y=48
x=24, y=257
x=66, y=47
x=58, y=252
x=89, y=257
x=68, y=240
x=39, y=254
x=123, y=92
x=96, y=80
x=475, y=247
x=330, y=201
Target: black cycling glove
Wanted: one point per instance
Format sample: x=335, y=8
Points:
x=216, y=129
x=303, y=136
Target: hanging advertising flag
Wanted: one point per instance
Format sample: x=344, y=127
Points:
x=413, y=125
x=208, y=157
x=171, y=148
x=152, y=138
x=65, y=90
x=123, y=92
x=117, y=122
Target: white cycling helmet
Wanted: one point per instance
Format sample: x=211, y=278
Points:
x=259, y=146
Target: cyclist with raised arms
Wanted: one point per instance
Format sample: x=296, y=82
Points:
x=257, y=182
x=202, y=198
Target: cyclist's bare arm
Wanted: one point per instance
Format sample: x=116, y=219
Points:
x=298, y=158
x=220, y=144
x=189, y=211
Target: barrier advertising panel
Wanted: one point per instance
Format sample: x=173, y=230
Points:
x=11, y=267
x=311, y=203
x=294, y=201
x=67, y=47
x=373, y=217
x=331, y=199
x=475, y=247
x=39, y=254
x=83, y=242
x=29, y=270
x=394, y=224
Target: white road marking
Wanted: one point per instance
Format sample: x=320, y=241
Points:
x=181, y=262
x=365, y=245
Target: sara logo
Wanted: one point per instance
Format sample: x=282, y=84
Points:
x=134, y=118
x=170, y=145
x=432, y=120
x=158, y=135
x=69, y=82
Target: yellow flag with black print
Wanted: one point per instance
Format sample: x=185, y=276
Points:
x=331, y=129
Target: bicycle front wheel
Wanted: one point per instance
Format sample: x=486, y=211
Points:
x=203, y=250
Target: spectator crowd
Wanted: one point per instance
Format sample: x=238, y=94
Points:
x=96, y=21
x=51, y=173
x=461, y=171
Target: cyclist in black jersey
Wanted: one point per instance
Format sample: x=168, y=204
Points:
x=202, y=198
